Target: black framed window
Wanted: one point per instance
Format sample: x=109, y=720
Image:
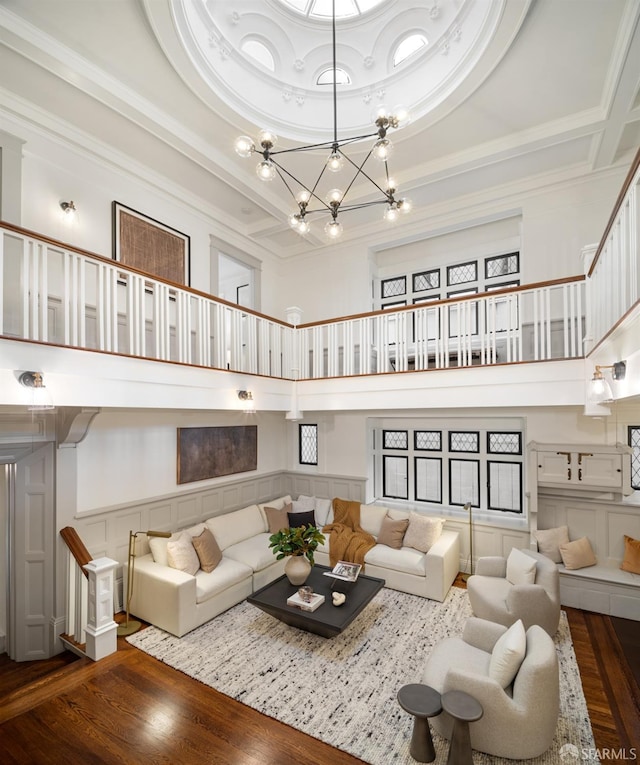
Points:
x=504, y=486
x=428, y=479
x=426, y=280
x=393, y=287
x=395, y=439
x=462, y=273
x=308, y=444
x=464, y=482
x=502, y=265
x=395, y=476
x=481, y=275
x=464, y=441
x=504, y=442
x=483, y=465
x=427, y=440
x=634, y=443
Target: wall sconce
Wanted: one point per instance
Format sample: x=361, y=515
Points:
x=69, y=210
x=599, y=389
x=40, y=396
x=247, y=396
x=128, y=627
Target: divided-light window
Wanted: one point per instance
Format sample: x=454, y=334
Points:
x=483, y=466
x=458, y=279
x=634, y=443
x=308, y=444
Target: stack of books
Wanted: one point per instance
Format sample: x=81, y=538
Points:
x=345, y=570
x=297, y=602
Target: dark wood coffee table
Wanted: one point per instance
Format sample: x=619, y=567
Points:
x=327, y=620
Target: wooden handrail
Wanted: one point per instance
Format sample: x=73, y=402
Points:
x=616, y=208
x=76, y=547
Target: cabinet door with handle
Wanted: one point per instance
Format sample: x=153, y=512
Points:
x=600, y=470
x=555, y=467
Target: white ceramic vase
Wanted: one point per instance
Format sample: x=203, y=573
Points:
x=297, y=568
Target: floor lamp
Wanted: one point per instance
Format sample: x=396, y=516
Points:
x=131, y=625
x=467, y=507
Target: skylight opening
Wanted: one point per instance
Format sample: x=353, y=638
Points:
x=260, y=53
x=326, y=77
x=410, y=46
x=322, y=9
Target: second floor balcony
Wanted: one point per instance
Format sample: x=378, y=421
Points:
x=58, y=302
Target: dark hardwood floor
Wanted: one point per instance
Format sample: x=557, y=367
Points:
x=130, y=708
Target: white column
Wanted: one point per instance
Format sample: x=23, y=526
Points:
x=101, y=628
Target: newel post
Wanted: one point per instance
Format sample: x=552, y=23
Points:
x=101, y=630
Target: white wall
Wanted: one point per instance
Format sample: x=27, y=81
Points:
x=132, y=455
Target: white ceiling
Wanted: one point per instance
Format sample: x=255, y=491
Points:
x=555, y=95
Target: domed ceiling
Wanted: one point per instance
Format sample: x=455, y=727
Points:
x=272, y=61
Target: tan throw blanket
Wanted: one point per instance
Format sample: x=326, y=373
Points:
x=347, y=540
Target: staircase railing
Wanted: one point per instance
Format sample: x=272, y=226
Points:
x=91, y=630
x=614, y=274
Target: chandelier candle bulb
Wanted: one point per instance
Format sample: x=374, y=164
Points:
x=244, y=146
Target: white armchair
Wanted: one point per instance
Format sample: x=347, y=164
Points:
x=495, y=598
x=519, y=722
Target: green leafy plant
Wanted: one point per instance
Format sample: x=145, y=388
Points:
x=302, y=540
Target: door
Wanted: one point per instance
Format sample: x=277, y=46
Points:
x=31, y=565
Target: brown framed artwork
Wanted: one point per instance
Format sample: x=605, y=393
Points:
x=147, y=244
x=215, y=451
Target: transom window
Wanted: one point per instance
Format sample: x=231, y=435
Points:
x=455, y=280
x=482, y=465
x=322, y=9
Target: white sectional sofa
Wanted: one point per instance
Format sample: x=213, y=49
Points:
x=178, y=602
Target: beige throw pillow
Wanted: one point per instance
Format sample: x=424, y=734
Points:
x=158, y=547
x=422, y=532
x=182, y=555
x=207, y=550
x=549, y=541
x=392, y=532
x=277, y=519
x=521, y=568
x=631, y=561
x=508, y=654
x=578, y=554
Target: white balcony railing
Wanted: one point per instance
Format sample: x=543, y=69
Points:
x=60, y=295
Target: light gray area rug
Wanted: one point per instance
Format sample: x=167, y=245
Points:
x=343, y=690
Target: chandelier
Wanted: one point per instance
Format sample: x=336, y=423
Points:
x=308, y=197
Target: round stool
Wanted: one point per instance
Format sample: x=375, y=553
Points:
x=464, y=709
x=422, y=702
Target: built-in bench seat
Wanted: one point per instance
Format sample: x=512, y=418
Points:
x=603, y=588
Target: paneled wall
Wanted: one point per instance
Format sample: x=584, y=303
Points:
x=105, y=531
x=604, y=523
